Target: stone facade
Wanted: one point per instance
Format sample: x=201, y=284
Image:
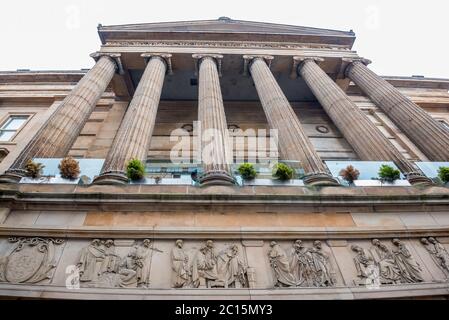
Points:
x=108, y=238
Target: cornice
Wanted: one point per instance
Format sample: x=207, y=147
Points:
x=223, y=44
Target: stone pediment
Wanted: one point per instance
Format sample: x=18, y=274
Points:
x=225, y=25
x=227, y=28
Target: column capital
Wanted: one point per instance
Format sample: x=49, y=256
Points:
x=116, y=57
x=166, y=57
x=198, y=57
x=298, y=61
x=350, y=61
x=248, y=60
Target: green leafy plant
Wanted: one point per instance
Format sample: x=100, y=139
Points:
x=443, y=174
x=283, y=172
x=69, y=168
x=350, y=174
x=34, y=169
x=247, y=171
x=135, y=170
x=388, y=173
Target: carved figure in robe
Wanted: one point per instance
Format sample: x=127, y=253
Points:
x=180, y=266
x=144, y=253
x=280, y=264
x=323, y=273
x=231, y=270
x=128, y=270
x=390, y=273
x=111, y=261
x=301, y=265
x=367, y=270
x=204, y=269
x=437, y=257
x=91, y=261
x=410, y=269
x=441, y=252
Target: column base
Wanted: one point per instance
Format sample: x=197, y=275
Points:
x=417, y=179
x=12, y=176
x=217, y=178
x=321, y=180
x=111, y=178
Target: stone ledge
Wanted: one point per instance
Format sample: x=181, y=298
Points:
x=340, y=293
x=243, y=233
x=326, y=196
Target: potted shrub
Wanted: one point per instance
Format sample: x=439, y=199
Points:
x=34, y=169
x=283, y=172
x=69, y=168
x=350, y=174
x=388, y=173
x=443, y=174
x=135, y=170
x=247, y=171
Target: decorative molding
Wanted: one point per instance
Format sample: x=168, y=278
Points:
x=347, y=64
x=116, y=57
x=166, y=57
x=216, y=57
x=248, y=59
x=31, y=261
x=225, y=44
x=297, y=61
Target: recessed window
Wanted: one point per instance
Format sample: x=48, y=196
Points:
x=10, y=128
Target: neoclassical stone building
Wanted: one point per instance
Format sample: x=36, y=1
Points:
x=194, y=100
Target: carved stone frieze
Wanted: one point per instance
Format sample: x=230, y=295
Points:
x=100, y=266
x=305, y=267
x=438, y=254
x=32, y=260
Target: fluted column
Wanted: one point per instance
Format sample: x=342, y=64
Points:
x=55, y=138
x=425, y=132
x=293, y=141
x=214, y=139
x=134, y=135
x=363, y=135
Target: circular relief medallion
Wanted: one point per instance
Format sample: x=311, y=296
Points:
x=322, y=129
x=23, y=264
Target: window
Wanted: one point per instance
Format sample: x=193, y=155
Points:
x=9, y=129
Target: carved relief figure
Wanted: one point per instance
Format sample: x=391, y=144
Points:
x=100, y=266
x=204, y=269
x=30, y=261
x=143, y=257
x=301, y=265
x=390, y=273
x=180, y=266
x=128, y=270
x=281, y=266
x=111, y=260
x=323, y=273
x=91, y=261
x=410, y=269
x=367, y=270
x=231, y=270
x=438, y=253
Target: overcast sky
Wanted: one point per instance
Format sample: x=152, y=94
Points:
x=401, y=37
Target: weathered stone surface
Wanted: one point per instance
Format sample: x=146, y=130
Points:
x=134, y=135
x=57, y=135
x=426, y=132
x=368, y=142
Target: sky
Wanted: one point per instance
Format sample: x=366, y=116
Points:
x=402, y=38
